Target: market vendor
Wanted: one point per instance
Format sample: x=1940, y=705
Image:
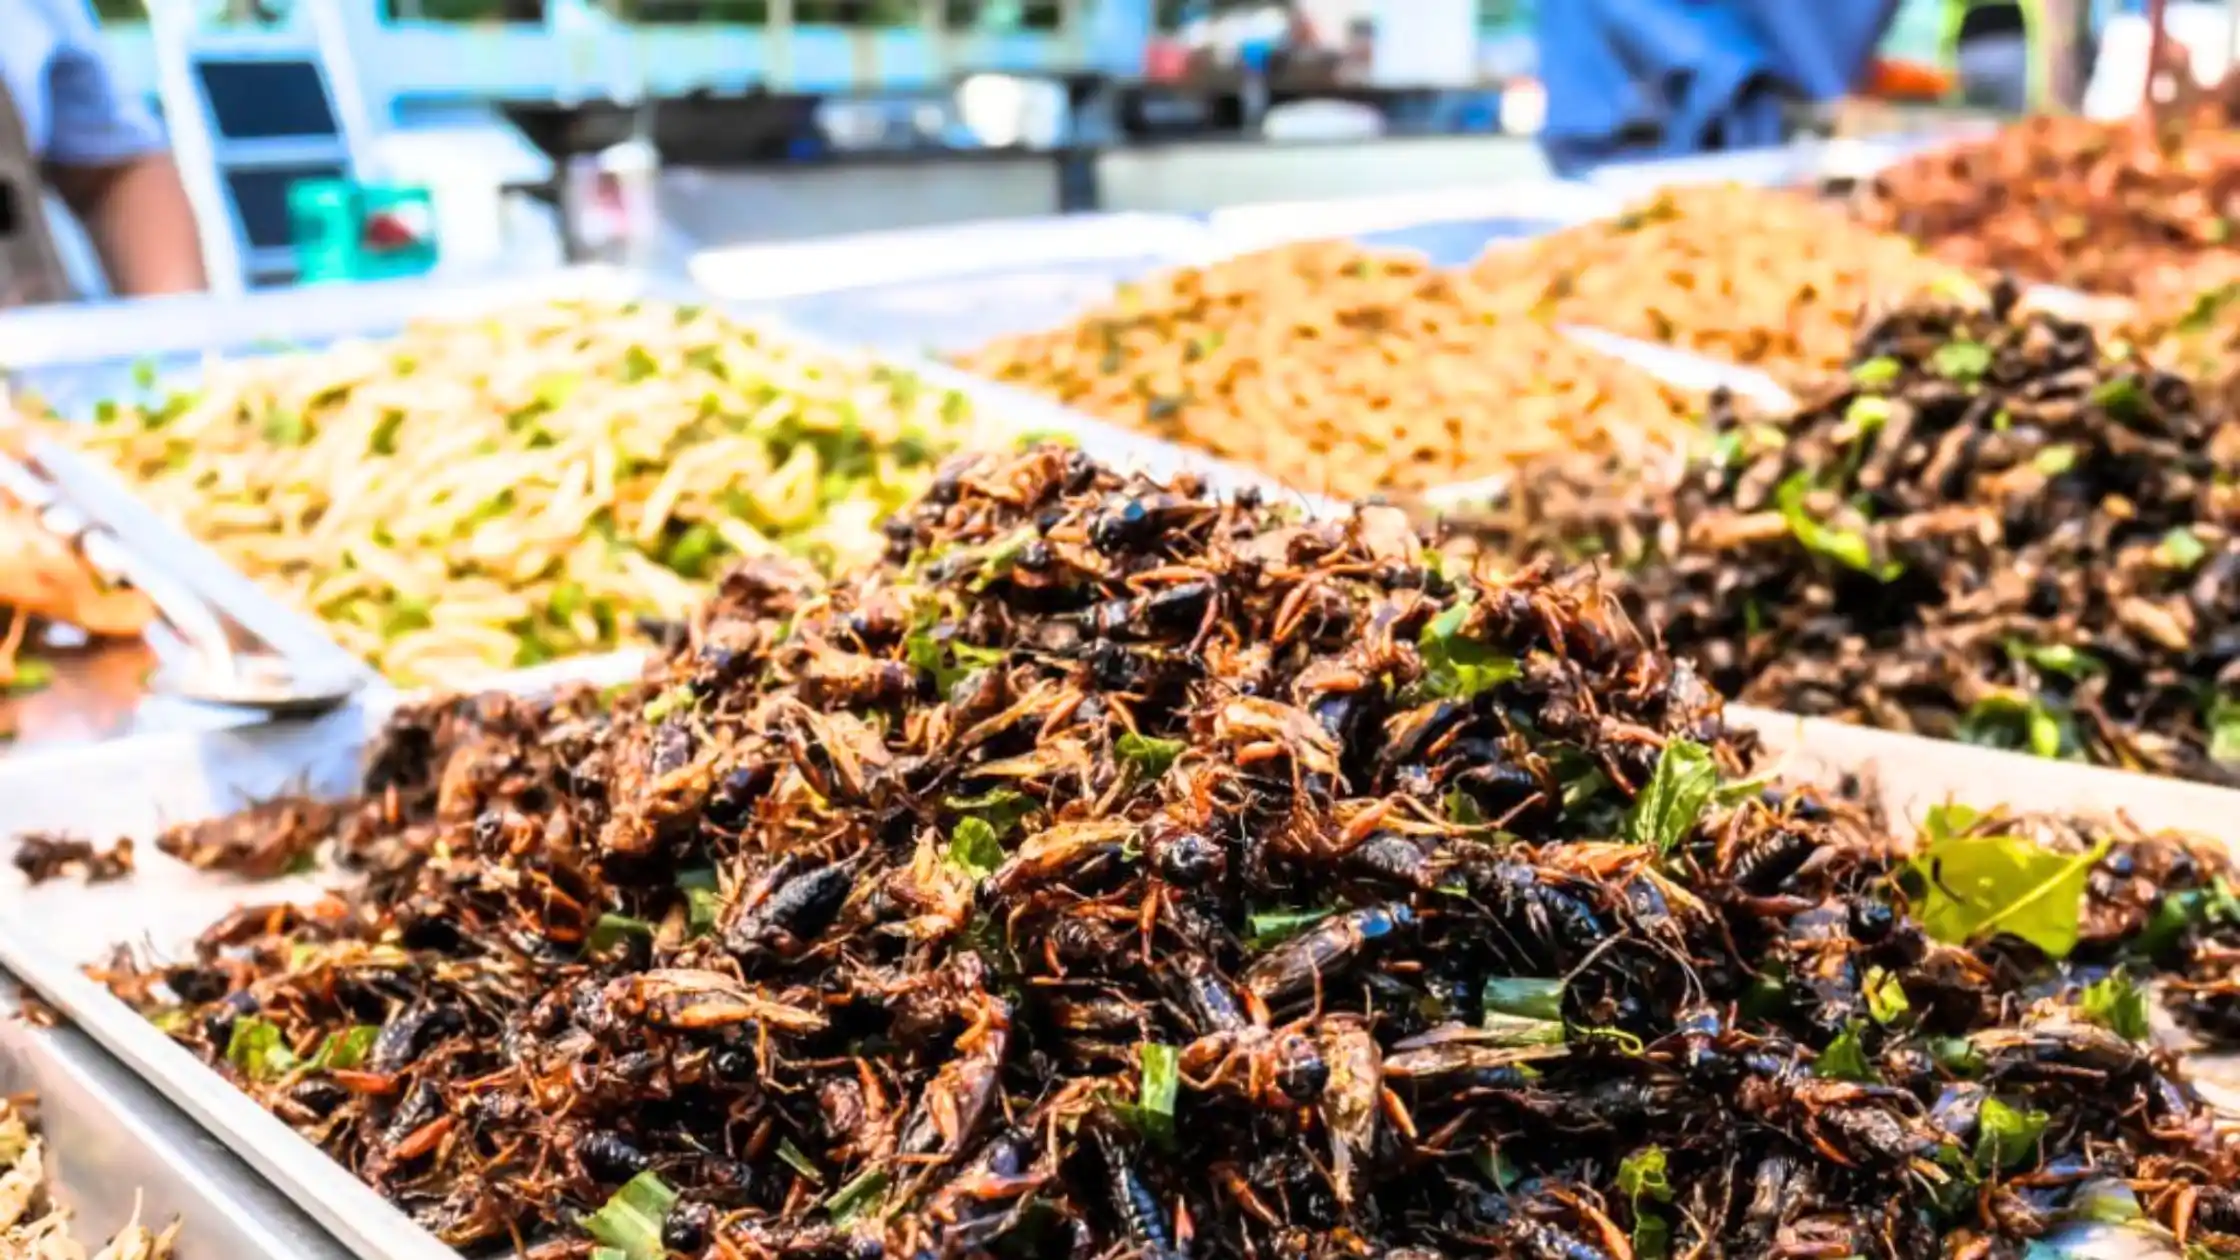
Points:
x=1629, y=80
x=65, y=126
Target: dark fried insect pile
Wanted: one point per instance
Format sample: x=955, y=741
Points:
x=42, y=857
x=1115, y=872
x=1993, y=529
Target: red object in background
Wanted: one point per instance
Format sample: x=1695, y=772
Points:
x=1165, y=60
x=1891, y=79
x=386, y=231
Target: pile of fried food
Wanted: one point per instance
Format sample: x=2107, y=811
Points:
x=2113, y=208
x=33, y=1229
x=1992, y=529
x=1112, y=871
x=1768, y=278
x=1343, y=371
x=476, y=495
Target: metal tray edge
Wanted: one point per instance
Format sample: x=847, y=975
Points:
x=117, y=1148
x=1914, y=772
x=794, y=269
x=1265, y=225
x=353, y=1213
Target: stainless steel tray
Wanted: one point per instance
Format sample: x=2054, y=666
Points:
x=165, y=779
x=53, y=931
x=1449, y=228
x=1805, y=162
x=114, y=1147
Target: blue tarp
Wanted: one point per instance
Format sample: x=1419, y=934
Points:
x=1634, y=79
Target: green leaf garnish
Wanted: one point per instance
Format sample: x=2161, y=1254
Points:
x=1001, y=808
x=256, y=1047
x=630, y=1221
x=1973, y=887
x=1462, y=808
x=1880, y=370
x=700, y=900
x=2012, y=720
x=676, y=698
x=2202, y=315
x=2057, y=658
x=1002, y=554
x=2108, y=1202
x=799, y=1161
x=1526, y=997
x=948, y=661
x=1962, y=361
x=1522, y=1011
x=346, y=1050
x=2222, y=717
x=2122, y=397
x=1845, y=1059
x=1943, y=822
x=1673, y=800
x=858, y=1196
x=2007, y=1138
x=611, y=928
x=1846, y=547
x=1644, y=1175
x=975, y=848
x=32, y=674
x=2055, y=460
x=1886, y=996
x=1864, y=416
x=1151, y=755
x=1456, y=667
x=1157, y=1088
x=2180, y=549
x=1956, y=1055
x=1726, y=450
x=2117, y=1005
x=2180, y=912
x=1273, y=927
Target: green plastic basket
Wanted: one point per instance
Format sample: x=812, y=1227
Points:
x=347, y=232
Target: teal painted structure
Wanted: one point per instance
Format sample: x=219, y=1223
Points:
x=330, y=219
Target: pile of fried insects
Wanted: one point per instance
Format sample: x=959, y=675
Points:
x=1114, y=871
x=31, y=1228
x=1995, y=528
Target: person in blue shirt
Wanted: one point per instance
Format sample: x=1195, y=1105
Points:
x=101, y=152
x=1628, y=80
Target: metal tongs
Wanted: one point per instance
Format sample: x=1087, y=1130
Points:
x=202, y=652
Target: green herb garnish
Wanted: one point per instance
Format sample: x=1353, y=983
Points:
x=1972, y=887
x=1673, y=801
x=630, y=1221
x=1845, y=1059
x=975, y=848
x=1150, y=755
